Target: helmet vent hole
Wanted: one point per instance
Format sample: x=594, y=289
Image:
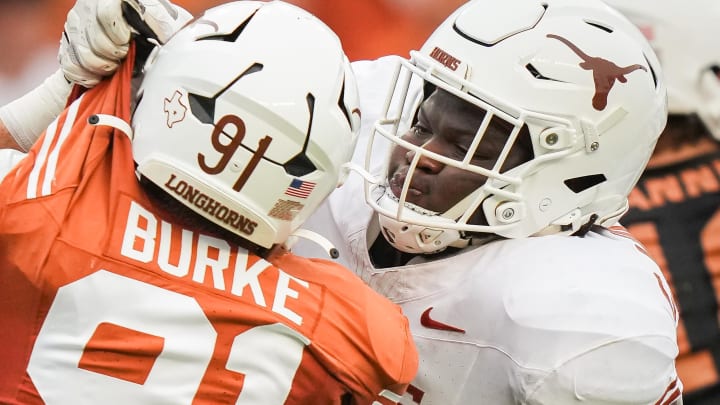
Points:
x=716, y=70
x=652, y=71
x=599, y=26
x=203, y=108
x=536, y=73
x=231, y=37
x=343, y=108
x=301, y=165
x=580, y=184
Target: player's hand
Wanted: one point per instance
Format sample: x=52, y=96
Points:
x=98, y=32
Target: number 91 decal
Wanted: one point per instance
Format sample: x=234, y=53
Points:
x=227, y=150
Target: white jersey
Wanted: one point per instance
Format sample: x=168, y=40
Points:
x=548, y=320
x=8, y=159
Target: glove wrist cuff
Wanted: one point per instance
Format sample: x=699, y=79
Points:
x=27, y=117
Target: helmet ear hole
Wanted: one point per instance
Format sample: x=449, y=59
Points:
x=580, y=184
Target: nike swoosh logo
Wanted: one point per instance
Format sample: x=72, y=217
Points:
x=428, y=322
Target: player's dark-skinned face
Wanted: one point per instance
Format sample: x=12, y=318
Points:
x=447, y=125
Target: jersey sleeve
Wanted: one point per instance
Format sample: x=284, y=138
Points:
x=8, y=159
x=630, y=343
x=605, y=375
x=70, y=145
x=605, y=328
x=362, y=337
x=392, y=342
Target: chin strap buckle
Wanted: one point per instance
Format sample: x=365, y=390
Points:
x=327, y=246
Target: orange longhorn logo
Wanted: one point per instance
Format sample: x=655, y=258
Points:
x=605, y=72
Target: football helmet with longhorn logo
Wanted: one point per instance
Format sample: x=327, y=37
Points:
x=573, y=81
x=246, y=116
x=686, y=44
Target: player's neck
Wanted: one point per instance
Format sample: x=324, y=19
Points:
x=383, y=255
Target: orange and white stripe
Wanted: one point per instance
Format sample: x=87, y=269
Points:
x=43, y=172
x=672, y=393
x=622, y=232
x=668, y=296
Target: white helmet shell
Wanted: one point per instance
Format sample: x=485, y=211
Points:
x=684, y=37
x=576, y=76
x=246, y=117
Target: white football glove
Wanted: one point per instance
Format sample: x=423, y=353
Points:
x=97, y=34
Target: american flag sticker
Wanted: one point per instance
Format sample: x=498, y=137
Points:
x=299, y=188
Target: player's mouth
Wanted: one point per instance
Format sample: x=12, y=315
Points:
x=397, y=181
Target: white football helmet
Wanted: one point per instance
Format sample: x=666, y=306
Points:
x=575, y=75
x=685, y=41
x=246, y=116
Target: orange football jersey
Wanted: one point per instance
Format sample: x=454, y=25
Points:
x=105, y=299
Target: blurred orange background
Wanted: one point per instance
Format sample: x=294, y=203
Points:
x=369, y=29
x=30, y=31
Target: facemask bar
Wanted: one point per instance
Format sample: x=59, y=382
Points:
x=499, y=185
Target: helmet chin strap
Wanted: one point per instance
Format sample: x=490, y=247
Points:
x=461, y=209
x=419, y=239
x=111, y=121
x=320, y=240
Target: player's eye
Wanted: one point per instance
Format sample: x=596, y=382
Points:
x=421, y=132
